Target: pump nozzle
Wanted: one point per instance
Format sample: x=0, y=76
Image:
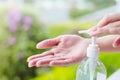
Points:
x=92, y=53
x=83, y=31
x=93, y=40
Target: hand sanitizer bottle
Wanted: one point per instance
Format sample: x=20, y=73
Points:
x=91, y=68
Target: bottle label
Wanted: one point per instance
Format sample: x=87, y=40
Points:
x=101, y=76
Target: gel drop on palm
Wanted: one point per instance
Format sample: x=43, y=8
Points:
x=91, y=68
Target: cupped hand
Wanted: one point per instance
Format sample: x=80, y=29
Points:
x=66, y=50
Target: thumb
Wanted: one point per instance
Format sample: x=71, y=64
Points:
x=116, y=43
x=48, y=43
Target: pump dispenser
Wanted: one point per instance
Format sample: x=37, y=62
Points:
x=91, y=68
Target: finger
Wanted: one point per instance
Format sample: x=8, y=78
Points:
x=92, y=30
x=100, y=31
x=106, y=31
x=48, y=43
x=40, y=55
x=112, y=28
x=33, y=62
x=97, y=30
x=45, y=62
x=59, y=63
x=114, y=31
x=116, y=43
x=109, y=18
x=66, y=62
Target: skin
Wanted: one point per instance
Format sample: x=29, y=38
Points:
x=70, y=49
x=109, y=24
x=67, y=50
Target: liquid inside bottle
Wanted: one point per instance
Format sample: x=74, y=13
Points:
x=86, y=72
x=91, y=68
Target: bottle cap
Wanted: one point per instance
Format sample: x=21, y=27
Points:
x=93, y=51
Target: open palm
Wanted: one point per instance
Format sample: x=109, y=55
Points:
x=67, y=50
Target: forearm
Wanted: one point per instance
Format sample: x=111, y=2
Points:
x=106, y=43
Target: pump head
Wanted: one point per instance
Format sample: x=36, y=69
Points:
x=93, y=49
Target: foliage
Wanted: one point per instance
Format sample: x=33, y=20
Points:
x=111, y=61
x=19, y=34
x=68, y=73
x=97, y=4
x=18, y=44
x=100, y=4
x=70, y=27
x=75, y=13
x=59, y=73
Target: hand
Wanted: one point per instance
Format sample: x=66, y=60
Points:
x=69, y=49
x=110, y=24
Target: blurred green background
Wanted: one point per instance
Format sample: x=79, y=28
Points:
x=23, y=23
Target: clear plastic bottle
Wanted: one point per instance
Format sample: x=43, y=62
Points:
x=91, y=68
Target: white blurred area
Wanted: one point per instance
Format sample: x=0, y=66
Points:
x=50, y=11
x=57, y=11
x=48, y=4
x=115, y=75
